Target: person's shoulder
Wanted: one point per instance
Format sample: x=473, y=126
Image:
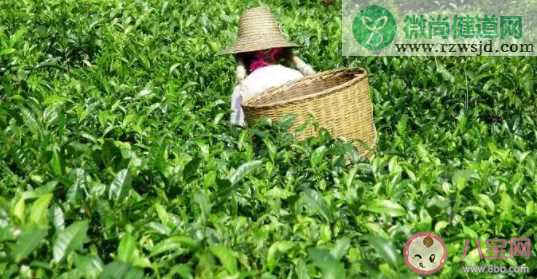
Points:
x=273, y=71
x=282, y=69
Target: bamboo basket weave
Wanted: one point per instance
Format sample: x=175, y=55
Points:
x=338, y=100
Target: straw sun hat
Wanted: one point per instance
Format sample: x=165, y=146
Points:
x=258, y=30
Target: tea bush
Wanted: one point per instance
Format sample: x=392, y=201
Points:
x=117, y=159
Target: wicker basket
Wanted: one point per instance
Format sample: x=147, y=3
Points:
x=338, y=100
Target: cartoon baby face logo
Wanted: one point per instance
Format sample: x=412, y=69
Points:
x=425, y=253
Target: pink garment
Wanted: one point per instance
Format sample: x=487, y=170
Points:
x=264, y=58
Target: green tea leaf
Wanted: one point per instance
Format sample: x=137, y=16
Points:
x=318, y=155
x=460, y=177
x=161, y=213
x=315, y=203
x=117, y=188
x=275, y=249
x=244, y=170
x=69, y=240
x=56, y=164
x=226, y=256
x=384, y=249
x=58, y=218
x=127, y=249
x=340, y=248
x=179, y=244
x=39, y=212
x=330, y=267
x=27, y=242
x=191, y=169
x=506, y=205
x=445, y=73
x=386, y=207
x=91, y=266
x=19, y=209
x=120, y=270
x=74, y=194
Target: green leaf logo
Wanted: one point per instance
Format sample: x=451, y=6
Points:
x=374, y=27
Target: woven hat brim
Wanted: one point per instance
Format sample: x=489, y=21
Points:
x=254, y=44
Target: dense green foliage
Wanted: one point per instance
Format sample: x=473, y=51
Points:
x=116, y=158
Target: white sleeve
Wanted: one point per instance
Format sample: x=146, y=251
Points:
x=237, y=114
x=302, y=66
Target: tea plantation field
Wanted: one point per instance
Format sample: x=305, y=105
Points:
x=117, y=159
